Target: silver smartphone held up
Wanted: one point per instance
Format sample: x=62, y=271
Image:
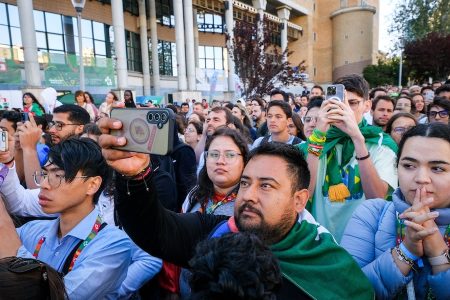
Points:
x=336, y=92
x=147, y=130
x=3, y=141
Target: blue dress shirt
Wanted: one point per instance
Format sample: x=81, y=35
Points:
x=102, y=265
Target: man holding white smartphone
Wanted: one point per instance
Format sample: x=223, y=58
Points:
x=349, y=160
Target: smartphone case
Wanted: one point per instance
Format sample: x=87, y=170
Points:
x=339, y=90
x=3, y=141
x=147, y=130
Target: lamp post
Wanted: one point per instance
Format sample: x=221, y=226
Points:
x=400, y=67
x=79, y=5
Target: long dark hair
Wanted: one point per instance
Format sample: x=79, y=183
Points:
x=433, y=130
x=34, y=100
x=205, y=187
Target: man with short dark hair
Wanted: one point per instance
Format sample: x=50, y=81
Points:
x=68, y=120
x=93, y=257
x=270, y=203
x=378, y=91
x=198, y=109
x=279, y=95
x=382, y=110
x=258, y=115
x=279, y=114
x=316, y=90
x=443, y=91
x=349, y=160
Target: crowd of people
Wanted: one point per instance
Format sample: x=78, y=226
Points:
x=285, y=197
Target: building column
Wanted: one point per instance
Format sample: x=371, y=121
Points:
x=260, y=5
x=194, y=11
x=230, y=27
x=154, y=42
x=179, y=38
x=28, y=34
x=144, y=47
x=189, y=42
x=119, y=44
x=283, y=13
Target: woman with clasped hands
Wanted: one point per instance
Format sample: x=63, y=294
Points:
x=403, y=246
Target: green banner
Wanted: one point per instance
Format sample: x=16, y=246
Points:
x=62, y=70
x=10, y=66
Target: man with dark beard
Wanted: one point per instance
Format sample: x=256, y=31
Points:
x=270, y=203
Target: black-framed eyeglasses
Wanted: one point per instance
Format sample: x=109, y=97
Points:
x=441, y=113
x=229, y=156
x=309, y=119
x=54, y=180
x=59, y=125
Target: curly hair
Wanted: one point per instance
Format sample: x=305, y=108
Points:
x=234, y=266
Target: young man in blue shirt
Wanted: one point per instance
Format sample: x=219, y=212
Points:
x=94, y=257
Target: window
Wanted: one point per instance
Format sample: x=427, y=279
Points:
x=164, y=12
x=167, y=54
x=134, y=60
x=211, y=57
x=210, y=22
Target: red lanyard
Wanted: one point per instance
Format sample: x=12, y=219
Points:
x=91, y=235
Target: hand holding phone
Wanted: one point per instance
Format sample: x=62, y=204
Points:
x=147, y=130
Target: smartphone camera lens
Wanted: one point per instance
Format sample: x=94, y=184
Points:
x=331, y=90
x=164, y=117
x=150, y=117
x=157, y=117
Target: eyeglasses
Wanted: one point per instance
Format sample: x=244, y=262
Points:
x=58, y=125
x=54, y=180
x=441, y=113
x=309, y=119
x=229, y=156
x=401, y=130
x=191, y=130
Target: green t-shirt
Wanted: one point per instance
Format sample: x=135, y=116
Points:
x=335, y=215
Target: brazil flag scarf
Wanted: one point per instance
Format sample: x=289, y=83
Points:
x=310, y=258
x=333, y=185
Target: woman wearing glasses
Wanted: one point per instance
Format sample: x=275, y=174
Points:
x=438, y=110
x=217, y=185
x=310, y=118
x=399, y=124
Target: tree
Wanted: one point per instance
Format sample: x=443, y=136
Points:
x=414, y=19
x=385, y=72
x=258, y=70
x=428, y=57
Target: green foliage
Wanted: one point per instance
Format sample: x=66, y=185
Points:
x=414, y=19
x=383, y=73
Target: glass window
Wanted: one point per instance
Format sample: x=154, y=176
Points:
x=41, y=40
x=99, y=31
x=100, y=48
x=88, y=46
x=13, y=16
x=86, y=28
x=202, y=64
x=53, y=22
x=210, y=63
x=39, y=22
x=55, y=41
x=3, y=18
x=4, y=35
x=209, y=52
x=16, y=38
x=201, y=51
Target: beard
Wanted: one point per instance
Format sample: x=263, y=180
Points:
x=268, y=233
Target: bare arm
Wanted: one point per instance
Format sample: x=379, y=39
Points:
x=10, y=241
x=29, y=135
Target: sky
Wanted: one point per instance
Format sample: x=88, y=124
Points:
x=386, y=9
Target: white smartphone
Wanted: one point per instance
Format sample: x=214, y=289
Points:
x=336, y=91
x=3, y=141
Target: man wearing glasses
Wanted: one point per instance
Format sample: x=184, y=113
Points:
x=68, y=120
x=92, y=256
x=438, y=110
x=349, y=160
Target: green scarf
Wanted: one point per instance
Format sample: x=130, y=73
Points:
x=337, y=191
x=310, y=258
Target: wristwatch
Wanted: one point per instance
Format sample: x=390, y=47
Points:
x=442, y=259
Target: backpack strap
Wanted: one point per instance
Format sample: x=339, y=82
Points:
x=69, y=258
